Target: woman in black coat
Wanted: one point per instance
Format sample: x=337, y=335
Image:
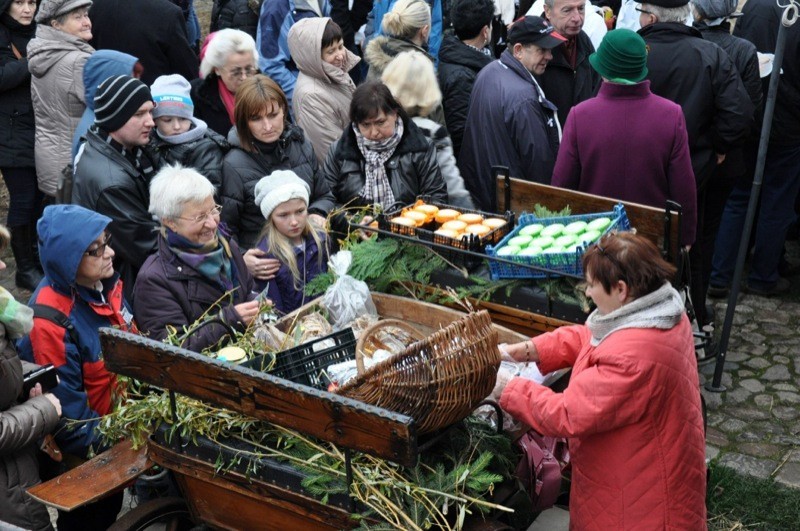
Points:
x=264, y=141
x=229, y=58
x=382, y=158
x=17, y=165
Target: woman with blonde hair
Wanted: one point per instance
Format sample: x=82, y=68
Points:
x=406, y=28
x=411, y=79
x=263, y=140
x=228, y=59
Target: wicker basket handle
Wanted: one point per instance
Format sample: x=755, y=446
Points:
x=376, y=327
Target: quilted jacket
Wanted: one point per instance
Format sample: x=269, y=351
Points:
x=633, y=417
x=55, y=60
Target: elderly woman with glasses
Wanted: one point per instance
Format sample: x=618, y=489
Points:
x=197, y=273
x=80, y=283
x=632, y=410
x=229, y=57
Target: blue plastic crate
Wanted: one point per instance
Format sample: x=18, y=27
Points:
x=554, y=263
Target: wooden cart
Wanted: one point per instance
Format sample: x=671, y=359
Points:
x=232, y=499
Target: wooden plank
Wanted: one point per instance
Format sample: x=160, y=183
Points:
x=648, y=221
x=228, y=500
x=94, y=479
x=342, y=421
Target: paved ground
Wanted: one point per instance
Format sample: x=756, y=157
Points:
x=754, y=426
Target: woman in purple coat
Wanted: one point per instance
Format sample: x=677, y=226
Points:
x=197, y=272
x=288, y=236
x=628, y=143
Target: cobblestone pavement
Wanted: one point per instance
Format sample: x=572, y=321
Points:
x=754, y=426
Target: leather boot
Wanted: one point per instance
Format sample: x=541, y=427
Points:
x=28, y=275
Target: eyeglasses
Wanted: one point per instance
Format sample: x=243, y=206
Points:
x=214, y=212
x=640, y=10
x=247, y=71
x=100, y=250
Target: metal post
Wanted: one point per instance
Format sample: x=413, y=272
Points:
x=788, y=19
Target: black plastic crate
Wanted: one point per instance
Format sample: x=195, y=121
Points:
x=305, y=364
x=468, y=242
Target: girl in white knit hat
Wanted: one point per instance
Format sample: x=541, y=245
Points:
x=288, y=236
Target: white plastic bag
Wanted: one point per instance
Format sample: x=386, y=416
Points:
x=348, y=298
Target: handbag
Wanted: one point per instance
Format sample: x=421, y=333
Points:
x=541, y=464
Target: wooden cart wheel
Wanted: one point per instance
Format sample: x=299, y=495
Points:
x=160, y=513
x=376, y=327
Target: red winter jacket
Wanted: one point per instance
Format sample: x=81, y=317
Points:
x=632, y=413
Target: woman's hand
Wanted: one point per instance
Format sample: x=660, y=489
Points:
x=317, y=220
x=522, y=352
x=261, y=268
x=36, y=390
x=247, y=311
x=53, y=400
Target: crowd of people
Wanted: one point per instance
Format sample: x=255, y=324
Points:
x=207, y=176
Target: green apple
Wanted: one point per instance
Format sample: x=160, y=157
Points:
x=519, y=241
x=530, y=251
x=575, y=228
x=590, y=236
x=508, y=250
x=553, y=230
x=542, y=242
x=565, y=240
x=531, y=230
x=599, y=224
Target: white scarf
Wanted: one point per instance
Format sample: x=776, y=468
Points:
x=661, y=309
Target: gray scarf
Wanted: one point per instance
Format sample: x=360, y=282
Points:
x=377, y=188
x=661, y=309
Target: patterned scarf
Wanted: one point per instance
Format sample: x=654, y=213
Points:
x=212, y=260
x=377, y=188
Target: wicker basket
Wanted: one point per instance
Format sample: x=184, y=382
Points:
x=437, y=381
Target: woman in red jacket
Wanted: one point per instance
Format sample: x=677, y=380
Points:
x=632, y=409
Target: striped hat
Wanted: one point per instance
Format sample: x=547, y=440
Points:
x=117, y=99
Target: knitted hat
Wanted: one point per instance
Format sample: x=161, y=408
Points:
x=171, y=94
x=278, y=187
x=534, y=30
x=711, y=9
x=117, y=99
x=621, y=55
x=50, y=9
x=667, y=3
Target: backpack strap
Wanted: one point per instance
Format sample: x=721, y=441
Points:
x=55, y=316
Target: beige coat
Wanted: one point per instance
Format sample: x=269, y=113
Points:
x=55, y=60
x=321, y=100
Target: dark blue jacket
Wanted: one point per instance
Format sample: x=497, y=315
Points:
x=281, y=289
x=508, y=124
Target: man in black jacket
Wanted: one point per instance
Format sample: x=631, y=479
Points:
x=759, y=24
x=113, y=171
x=152, y=30
x=569, y=78
x=461, y=57
x=700, y=77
